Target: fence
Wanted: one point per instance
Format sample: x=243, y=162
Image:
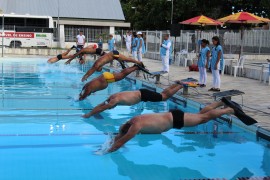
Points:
x=254, y=41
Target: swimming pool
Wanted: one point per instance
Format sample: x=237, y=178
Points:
x=42, y=135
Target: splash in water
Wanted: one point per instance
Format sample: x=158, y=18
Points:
x=106, y=145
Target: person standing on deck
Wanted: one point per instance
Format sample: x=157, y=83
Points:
x=134, y=45
x=216, y=63
x=203, y=62
x=165, y=49
x=111, y=45
x=100, y=42
x=140, y=46
x=128, y=41
x=80, y=41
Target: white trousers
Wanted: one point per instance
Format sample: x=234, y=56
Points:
x=216, y=78
x=165, y=63
x=134, y=54
x=128, y=45
x=203, y=75
x=139, y=55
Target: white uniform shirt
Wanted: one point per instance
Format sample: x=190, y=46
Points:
x=80, y=39
x=128, y=38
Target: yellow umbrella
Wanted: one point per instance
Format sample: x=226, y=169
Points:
x=243, y=18
x=201, y=21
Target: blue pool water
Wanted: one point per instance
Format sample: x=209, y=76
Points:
x=42, y=135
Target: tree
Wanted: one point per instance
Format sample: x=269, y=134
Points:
x=156, y=14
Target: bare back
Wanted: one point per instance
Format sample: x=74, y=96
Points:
x=127, y=97
x=154, y=123
x=107, y=58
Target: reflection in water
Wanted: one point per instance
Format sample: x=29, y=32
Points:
x=144, y=141
x=152, y=171
x=243, y=173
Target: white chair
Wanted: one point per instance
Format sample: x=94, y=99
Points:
x=181, y=56
x=239, y=65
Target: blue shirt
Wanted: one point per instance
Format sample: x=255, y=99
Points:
x=111, y=44
x=203, y=56
x=143, y=46
x=134, y=45
x=100, y=43
x=163, y=50
x=215, y=51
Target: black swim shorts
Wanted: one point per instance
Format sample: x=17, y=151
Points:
x=59, y=56
x=178, y=118
x=100, y=52
x=115, y=54
x=147, y=95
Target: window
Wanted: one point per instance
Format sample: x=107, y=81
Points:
x=91, y=33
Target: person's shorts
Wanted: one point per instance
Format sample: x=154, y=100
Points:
x=115, y=54
x=100, y=52
x=79, y=47
x=59, y=56
x=147, y=95
x=109, y=77
x=178, y=118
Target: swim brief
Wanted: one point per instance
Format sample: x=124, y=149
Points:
x=100, y=52
x=59, y=56
x=178, y=118
x=115, y=54
x=147, y=95
x=109, y=77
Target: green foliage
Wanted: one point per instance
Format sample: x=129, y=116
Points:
x=156, y=14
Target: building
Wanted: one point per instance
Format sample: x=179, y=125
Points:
x=94, y=17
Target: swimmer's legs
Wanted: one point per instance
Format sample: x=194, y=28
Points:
x=170, y=91
x=212, y=106
x=121, y=75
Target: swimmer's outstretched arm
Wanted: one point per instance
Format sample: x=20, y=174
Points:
x=101, y=107
x=133, y=130
x=83, y=51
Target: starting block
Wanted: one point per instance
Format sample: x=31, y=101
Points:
x=189, y=82
x=228, y=94
x=156, y=75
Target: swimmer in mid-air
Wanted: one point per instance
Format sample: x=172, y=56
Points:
x=61, y=56
x=107, y=58
x=103, y=80
x=134, y=97
x=66, y=56
x=87, y=50
x=161, y=122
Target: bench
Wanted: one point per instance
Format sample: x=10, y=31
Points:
x=228, y=94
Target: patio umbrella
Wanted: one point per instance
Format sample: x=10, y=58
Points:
x=201, y=21
x=243, y=18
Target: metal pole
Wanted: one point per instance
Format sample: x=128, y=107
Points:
x=58, y=28
x=3, y=18
x=122, y=35
x=87, y=36
x=172, y=13
x=14, y=37
x=260, y=42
